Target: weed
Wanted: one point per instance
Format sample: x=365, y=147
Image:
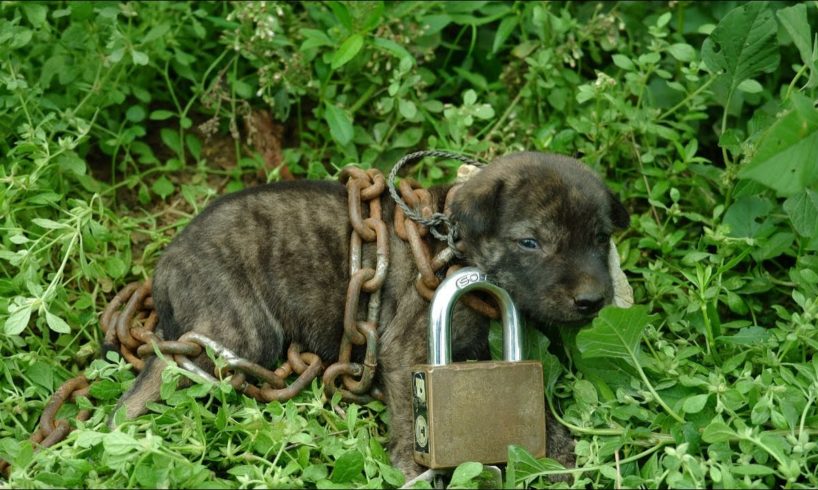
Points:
x=701, y=116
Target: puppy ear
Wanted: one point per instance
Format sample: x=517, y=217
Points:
x=475, y=207
x=619, y=215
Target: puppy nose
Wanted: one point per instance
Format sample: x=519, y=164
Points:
x=588, y=303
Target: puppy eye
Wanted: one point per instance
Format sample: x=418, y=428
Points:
x=603, y=238
x=529, y=244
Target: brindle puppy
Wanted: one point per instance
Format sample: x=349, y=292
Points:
x=267, y=266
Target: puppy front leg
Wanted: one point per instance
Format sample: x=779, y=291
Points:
x=403, y=344
x=397, y=386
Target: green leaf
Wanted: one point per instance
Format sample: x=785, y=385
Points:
x=56, y=323
x=464, y=473
x=70, y=162
x=347, y=467
x=743, y=45
x=42, y=374
x=794, y=20
x=623, y=62
x=750, y=86
x=408, y=138
x=139, y=58
x=135, y=113
x=341, y=13
x=802, y=209
x=786, y=156
x=747, y=336
x=747, y=217
x=391, y=475
x=717, y=432
x=194, y=145
x=505, y=29
x=115, y=266
x=393, y=47
x=695, y=404
x=347, y=51
x=171, y=138
x=49, y=224
x=616, y=332
x=340, y=124
x=161, y=115
x=524, y=465
x=119, y=443
x=105, y=389
x=35, y=13
x=18, y=320
x=750, y=469
x=407, y=108
x=162, y=187
x=682, y=52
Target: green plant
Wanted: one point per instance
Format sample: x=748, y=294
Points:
x=701, y=116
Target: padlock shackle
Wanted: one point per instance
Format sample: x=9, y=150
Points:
x=440, y=320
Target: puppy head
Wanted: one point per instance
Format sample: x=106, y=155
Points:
x=540, y=226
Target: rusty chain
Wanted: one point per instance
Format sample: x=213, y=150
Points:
x=129, y=320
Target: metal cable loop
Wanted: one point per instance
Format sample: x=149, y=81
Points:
x=436, y=219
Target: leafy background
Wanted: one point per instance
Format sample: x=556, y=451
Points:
x=120, y=121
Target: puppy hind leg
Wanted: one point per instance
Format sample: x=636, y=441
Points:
x=146, y=389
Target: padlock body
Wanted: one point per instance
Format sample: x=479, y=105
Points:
x=472, y=411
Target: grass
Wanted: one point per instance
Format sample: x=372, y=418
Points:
x=121, y=121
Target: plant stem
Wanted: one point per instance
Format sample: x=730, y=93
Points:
x=659, y=400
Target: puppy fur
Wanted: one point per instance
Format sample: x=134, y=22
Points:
x=267, y=266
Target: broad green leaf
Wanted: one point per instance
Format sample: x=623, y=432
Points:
x=695, y=403
x=115, y=266
x=747, y=217
x=585, y=392
x=408, y=138
x=786, y=156
x=743, y=45
x=88, y=438
x=623, y=62
x=42, y=374
x=717, y=432
x=347, y=50
x=139, y=58
x=391, y=475
x=56, y=323
x=523, y=465
x=135, y=113
x=464, y=473
x=70, y=162
x=750, y=86
x=802, y=210
x=616, y=332
x=119, y=443
x=340, y=124
x=105, y=389
x=747, y=336
x=407, y=108
x=682, y=52
x=794, y=20
x=163, y=188
x=347, y=467
x=341, y=13
x=35, y=13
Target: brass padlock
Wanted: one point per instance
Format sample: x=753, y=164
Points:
x=472, y=411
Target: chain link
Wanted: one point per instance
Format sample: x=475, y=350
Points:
x=129, y=320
